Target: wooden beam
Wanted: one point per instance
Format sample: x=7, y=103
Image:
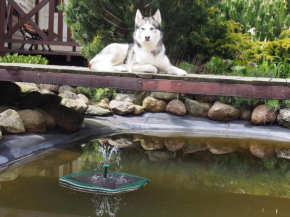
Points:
x=2, y=23
x=27, y=18
x=60, y=24
x=51, y=20
x=60, y=43
x=133, y=83
x=40, y=52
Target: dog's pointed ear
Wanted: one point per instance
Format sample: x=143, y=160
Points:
x=157, y=16
x=138, y=17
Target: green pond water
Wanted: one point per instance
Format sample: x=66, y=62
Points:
x=198, y=184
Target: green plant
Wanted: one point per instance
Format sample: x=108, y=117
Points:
x=89, y=92
x=189, y=68
x=285, y=103
x=96, y=94
x=273, y=104
x=16, y=58
x=102, y=93
x=217, y=65
x=269, y=17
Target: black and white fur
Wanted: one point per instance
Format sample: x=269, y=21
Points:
x=146, y=54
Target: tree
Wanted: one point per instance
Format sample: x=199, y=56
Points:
x=189, y=25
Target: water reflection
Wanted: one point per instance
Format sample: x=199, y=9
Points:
x=106, y=204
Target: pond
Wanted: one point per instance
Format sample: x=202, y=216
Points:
x=182, y=183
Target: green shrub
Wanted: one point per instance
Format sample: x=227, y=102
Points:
x=194, y=29
x=269, y=17
x=16, y=58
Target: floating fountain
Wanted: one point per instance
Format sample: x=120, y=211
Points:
x=104, y=181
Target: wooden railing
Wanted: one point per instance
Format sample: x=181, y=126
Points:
x=7, y=30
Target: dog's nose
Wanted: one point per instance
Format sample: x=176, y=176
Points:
x=147, y=38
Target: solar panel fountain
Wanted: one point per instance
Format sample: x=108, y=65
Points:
x=103, y=181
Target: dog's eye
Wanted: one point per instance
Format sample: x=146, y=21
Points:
x=142, y=28
x=151, y=28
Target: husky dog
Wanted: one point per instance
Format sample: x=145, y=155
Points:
x=146, y=54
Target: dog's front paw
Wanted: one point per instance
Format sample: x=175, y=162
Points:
x=181, y=72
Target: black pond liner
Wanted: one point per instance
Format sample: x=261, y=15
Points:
x=93, y=182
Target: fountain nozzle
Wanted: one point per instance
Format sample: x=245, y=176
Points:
x=106, y=166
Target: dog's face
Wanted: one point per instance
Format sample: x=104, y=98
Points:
x=147, y=29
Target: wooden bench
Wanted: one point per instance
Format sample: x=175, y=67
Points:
x=30, y=34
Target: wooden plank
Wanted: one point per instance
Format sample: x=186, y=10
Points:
x=42, y=42
x=188, y=87
x=51, y=20
x=27, y=18
x=61, y=53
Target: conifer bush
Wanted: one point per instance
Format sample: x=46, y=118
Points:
x=190, y=27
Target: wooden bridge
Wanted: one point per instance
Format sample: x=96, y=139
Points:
x=256, y=87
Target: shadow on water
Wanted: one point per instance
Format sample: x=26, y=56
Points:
x=203, y=177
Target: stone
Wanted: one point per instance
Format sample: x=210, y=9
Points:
x=84, y=98
x=104, y=103
x=33, y=100
x=121, y=141
x=246, y=113
x=138, y=110
x=27, y=87
x=68, y=95
x=33, y=121
x=121, y=108
x=152, y=143
x=282, y=153
x=176, y=107
x=10, y=175
x=53, y=98
x=49, y=119
x=124, y=97
x=261, y=150
x=223, y=112
x=160, y=155
x=51, y=87
x=151, y=104
x=164, y=95
x=263, y=116
x=192, y=146
x=10, y=93
x=94, y=110
x=217, y=148
x=67, y=88
x=77, y=105
x=196, y=108
x=43, y=91
x=283, y=117
x=174, y=144
x=65, y=118
x=11, y=122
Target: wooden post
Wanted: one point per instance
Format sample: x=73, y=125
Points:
x=36, y=20
x=51, y=20
x=60, y=24
x=2, y=25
